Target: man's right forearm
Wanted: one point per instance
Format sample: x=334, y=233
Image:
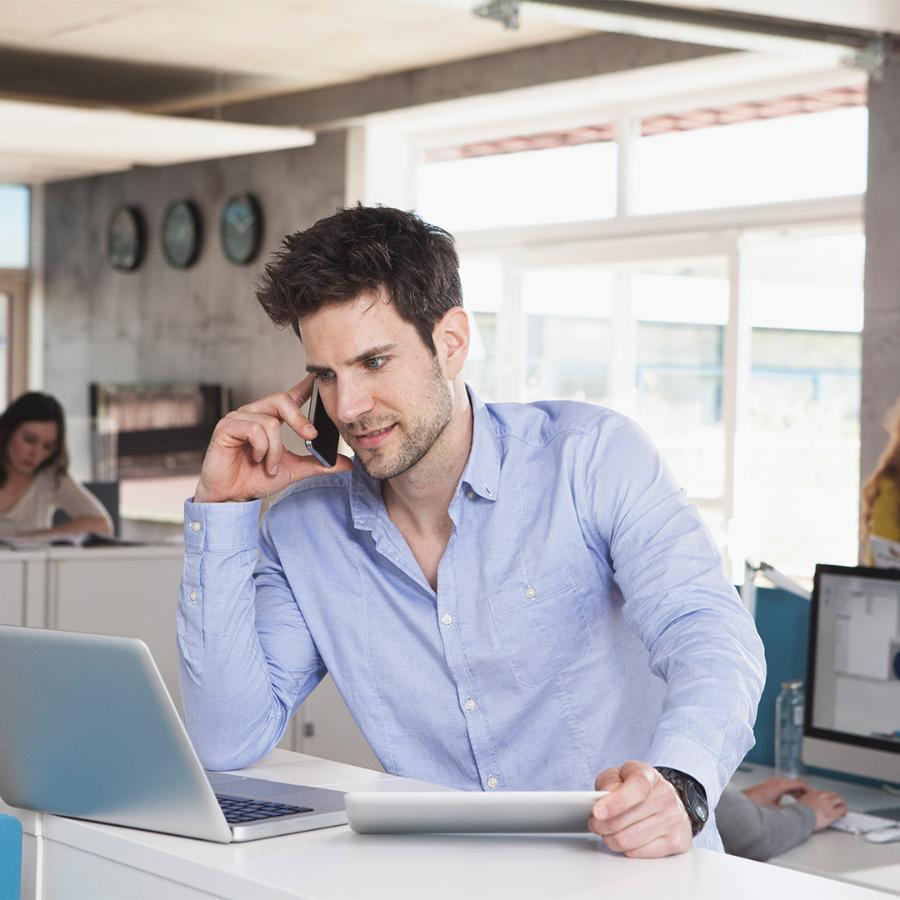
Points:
x=232, y=711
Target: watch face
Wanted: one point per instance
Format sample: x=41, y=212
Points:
x=698, y=808
x=181, y=234
x=125, y=239
x=241, y=228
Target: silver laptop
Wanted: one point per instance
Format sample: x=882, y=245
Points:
x=89, y=730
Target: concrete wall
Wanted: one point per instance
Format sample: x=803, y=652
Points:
x=881, y=332
x=161, y=323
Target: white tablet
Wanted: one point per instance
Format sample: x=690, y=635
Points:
x=473, y=812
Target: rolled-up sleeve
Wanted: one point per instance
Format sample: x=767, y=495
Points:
x=701, y=641
x=247, y=658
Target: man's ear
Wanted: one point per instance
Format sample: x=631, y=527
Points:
x=451, y=340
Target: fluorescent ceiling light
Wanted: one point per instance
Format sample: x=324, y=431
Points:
x=42, y=141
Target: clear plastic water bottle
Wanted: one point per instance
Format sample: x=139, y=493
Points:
x=789, y=729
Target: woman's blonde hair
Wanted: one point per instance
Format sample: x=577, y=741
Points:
x=888, y=466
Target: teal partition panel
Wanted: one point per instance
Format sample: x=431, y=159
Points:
x=782, y=619
x=10, y=857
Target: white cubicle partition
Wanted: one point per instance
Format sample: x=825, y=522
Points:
x=22, y=588
x=125, y=591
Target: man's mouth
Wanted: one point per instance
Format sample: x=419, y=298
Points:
x=371, y=439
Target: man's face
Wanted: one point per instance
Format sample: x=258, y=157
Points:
x=381, y=386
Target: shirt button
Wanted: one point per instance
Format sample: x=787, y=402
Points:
x=470, y=494
x=195, y=527
x=530, y=592
x=193, y=595
x=469, y=704
x=492, y=781
x=488, y=491
x=447, y=619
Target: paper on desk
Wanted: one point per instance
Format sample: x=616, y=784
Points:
x=885, y=553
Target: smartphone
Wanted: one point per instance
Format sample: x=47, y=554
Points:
x=324, y=446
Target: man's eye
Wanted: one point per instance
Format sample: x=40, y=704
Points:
x=375, y=362
x=325, y=377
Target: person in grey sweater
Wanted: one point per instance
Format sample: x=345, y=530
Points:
x=755, y=825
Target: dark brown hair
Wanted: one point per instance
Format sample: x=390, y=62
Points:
x=34, y=407
x=356, y=251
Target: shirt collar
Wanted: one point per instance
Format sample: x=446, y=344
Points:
x=482, y=471
x=481, y=474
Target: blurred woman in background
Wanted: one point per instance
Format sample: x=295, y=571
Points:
x=880, y=515
x=34, y=481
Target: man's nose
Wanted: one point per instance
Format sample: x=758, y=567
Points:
x=353, y=400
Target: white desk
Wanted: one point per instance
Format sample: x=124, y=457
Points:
x=76, y=859
x=833, y=853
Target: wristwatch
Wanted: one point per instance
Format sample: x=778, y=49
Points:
x=692, y=796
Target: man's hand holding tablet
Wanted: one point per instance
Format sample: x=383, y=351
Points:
x=642, y=814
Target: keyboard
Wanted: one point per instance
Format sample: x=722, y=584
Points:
x=240, y=809
x=862, y=823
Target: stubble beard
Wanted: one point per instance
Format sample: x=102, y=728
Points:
x=420, y=434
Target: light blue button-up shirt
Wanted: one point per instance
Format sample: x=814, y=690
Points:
x=582, y=617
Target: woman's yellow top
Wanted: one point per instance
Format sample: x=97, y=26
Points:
x=885, y=513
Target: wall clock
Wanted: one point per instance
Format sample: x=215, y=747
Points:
x=181, y=234
x=125, y=239
x=241, y=228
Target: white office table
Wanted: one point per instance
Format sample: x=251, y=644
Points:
x=833, y=853
x=73, y=859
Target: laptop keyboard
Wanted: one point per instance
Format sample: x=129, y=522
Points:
x=240, y=809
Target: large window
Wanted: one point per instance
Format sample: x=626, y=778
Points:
x=734, y=343
x=14, y=199
x=538, y=178
x=566, y=314
x=14, y=203
x=804, y=294
x=751, y=153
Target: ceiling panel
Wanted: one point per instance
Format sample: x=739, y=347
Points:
x=311, y=42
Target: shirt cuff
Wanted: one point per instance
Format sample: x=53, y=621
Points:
x=689, y=757
x=225, y=527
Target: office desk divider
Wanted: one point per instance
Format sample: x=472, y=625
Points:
x=10, y=857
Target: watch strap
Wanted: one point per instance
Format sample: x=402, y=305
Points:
x=696, y=806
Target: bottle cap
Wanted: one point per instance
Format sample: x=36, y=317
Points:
x=791, y=685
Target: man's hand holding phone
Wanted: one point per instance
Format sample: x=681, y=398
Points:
x=247, y=459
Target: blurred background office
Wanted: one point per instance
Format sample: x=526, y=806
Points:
x=675, y=218
x=683, y=210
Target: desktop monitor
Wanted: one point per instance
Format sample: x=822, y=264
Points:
x=852, y=713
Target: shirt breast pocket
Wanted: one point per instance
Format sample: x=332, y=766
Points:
x=542, y=626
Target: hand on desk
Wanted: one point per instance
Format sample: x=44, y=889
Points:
x=827, y=806
x=642, y=816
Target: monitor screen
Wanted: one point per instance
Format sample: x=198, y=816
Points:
x=853, y=681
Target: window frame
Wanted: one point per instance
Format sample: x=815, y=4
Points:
x=401, y=140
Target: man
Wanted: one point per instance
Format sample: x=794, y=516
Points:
x=507, y=597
